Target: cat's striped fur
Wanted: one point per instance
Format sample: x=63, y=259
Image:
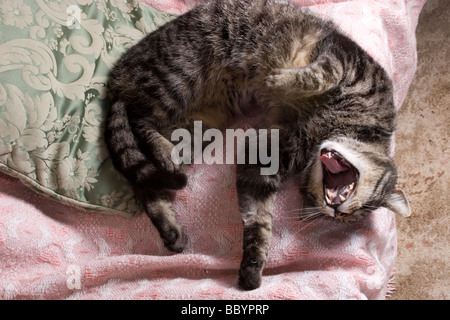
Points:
x=315, y=85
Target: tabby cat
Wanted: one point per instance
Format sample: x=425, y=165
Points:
x=331, y=102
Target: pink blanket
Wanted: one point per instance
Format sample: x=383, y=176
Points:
x=51, y=251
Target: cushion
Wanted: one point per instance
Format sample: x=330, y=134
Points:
x=54, y=64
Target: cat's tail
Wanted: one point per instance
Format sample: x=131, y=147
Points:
x=129, y=159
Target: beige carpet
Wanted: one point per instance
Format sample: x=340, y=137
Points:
x=422, y=155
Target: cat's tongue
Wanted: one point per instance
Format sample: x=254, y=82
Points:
x=332, y=164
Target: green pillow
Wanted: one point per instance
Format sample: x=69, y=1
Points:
x=55, y=60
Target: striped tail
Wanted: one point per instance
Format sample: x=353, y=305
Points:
x=129, y=159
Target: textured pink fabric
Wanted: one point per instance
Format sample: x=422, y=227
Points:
x=51, y=251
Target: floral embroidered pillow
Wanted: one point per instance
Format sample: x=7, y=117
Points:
x=55, y=57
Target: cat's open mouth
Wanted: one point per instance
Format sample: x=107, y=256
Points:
x=340, y=177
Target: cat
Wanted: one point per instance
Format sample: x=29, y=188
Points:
x=331, y=103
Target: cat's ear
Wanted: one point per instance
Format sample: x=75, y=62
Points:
x=398, y=203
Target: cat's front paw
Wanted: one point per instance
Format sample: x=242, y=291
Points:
x=163, y=156
x=250, y=278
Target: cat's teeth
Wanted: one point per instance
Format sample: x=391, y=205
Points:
x=331, y=193
x=350, y=187
x=342, y=198
x=327, y=197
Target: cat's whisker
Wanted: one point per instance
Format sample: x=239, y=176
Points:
x=302, y=210
x=307, y=224
x=290, y=218
x=293, y=210
x=305, y=214
x=302, y=214
x=311, y=216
